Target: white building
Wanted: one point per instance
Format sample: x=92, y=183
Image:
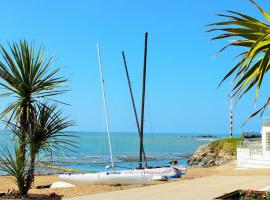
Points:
x=255, y=154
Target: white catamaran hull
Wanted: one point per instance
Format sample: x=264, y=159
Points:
x=168, y=172
x=103, y=178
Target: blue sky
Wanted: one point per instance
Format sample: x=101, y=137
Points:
x=182, y=94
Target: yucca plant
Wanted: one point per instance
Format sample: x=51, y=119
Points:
x=253, y=36
x=11, y=163
x=27, y=78
x=46, y=137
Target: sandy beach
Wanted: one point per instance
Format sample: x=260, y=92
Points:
x=235, y=178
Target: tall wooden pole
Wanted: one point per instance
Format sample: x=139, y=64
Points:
x=143, y=99
x=133, y=103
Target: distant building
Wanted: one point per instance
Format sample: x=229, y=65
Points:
x=255, y=153
x=252, y=135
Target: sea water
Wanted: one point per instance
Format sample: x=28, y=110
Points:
x=92, y=152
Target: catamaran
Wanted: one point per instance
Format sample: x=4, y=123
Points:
x=110, y=177
x=158, y=172
x=144, y=173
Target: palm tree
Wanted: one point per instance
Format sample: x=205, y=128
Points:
x=25, y=76
x=46, y=137
x=253, y=36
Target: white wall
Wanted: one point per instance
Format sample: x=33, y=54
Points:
x=265, y=131
x=243, y=154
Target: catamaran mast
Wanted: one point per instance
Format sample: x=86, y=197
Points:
x=143, y=99
x=133, y=104
x=105, y=105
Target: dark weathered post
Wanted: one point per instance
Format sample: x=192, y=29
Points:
x=133, y=103
x=143, y=98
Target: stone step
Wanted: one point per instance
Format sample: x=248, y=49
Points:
x=252, y=166
x=258, y=162
x=253, y=163
x=260, y=157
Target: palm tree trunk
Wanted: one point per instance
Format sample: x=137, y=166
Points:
x=21, y=186
x=31, y=172
x=22, y=145
x=24, y=124
x=24, y=128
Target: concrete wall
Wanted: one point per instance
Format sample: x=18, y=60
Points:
x=265, y=131
x=243, y=154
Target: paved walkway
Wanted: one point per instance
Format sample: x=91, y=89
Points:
x=204, y=188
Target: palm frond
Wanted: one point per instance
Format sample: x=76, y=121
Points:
x=27, y=76
x=48, y=131
x=253, y=35
x=13, y=165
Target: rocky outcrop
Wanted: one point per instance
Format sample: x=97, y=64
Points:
x=209, y=156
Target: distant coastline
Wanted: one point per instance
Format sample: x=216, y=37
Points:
x=93, y=152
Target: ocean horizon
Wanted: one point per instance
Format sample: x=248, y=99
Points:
x=92, y=152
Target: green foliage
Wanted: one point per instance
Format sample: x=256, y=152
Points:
x=47, y=135
x=13, y=165
x=227, y=145
x=253, y=195
x=254, y=36
x=26, y=77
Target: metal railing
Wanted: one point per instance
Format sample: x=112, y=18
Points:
x=250, y=144
x=254, y=147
